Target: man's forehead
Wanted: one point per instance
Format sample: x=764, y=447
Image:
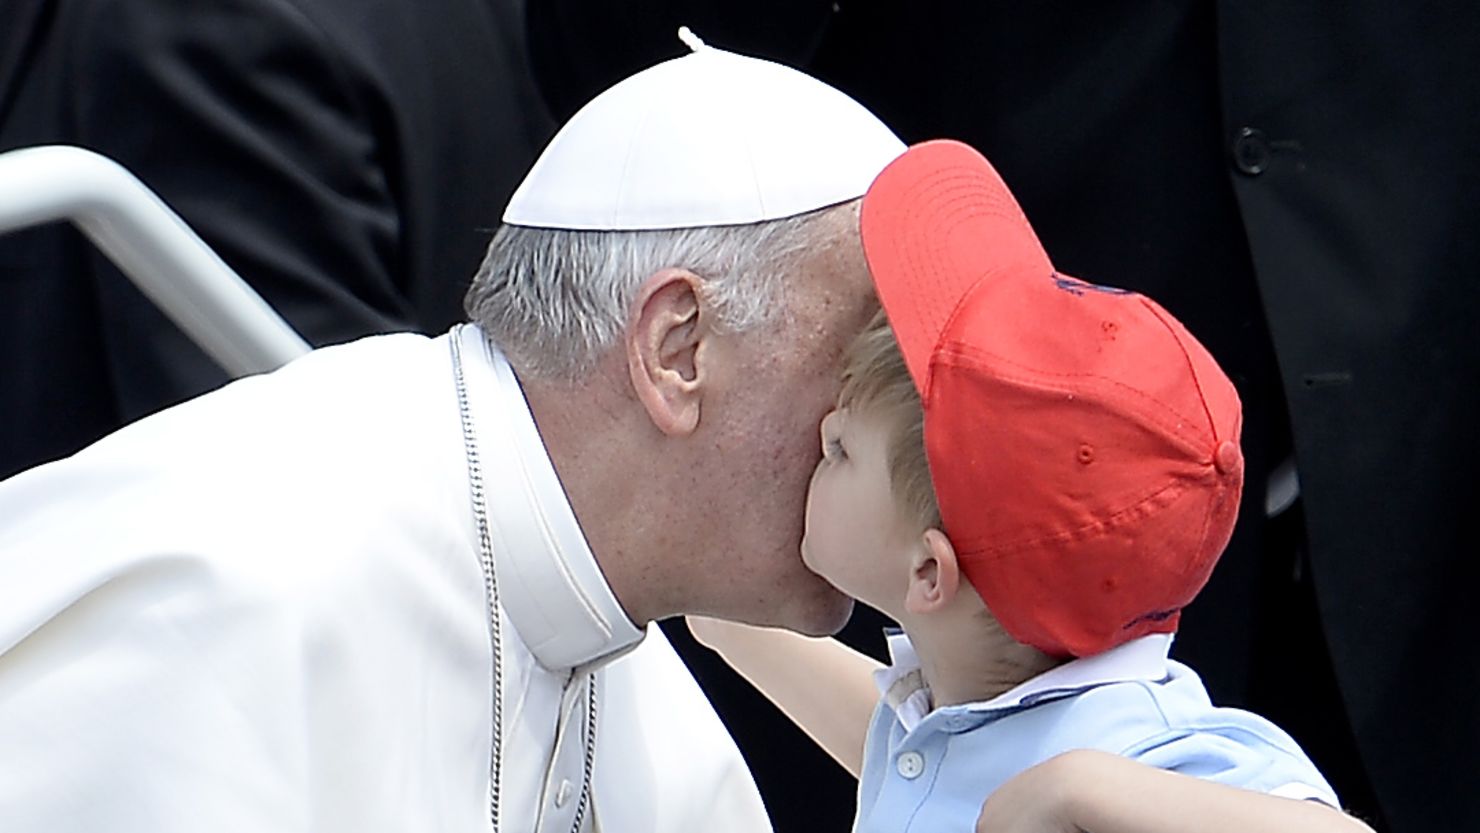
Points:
x=836, y=267
x=839, y=303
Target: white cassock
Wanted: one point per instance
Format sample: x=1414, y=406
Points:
x=264, y=610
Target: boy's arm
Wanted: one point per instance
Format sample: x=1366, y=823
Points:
x=825, y=687
x=1097, y=792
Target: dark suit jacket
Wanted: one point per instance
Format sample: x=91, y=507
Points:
x=1300, y=183
x=347, y=157
x=1328, y=151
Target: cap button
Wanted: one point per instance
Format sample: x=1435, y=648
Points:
x=1227, y=458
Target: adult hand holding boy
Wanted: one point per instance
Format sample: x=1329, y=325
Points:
x=1089, y=791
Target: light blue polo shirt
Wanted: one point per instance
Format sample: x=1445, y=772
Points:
x=927, y=770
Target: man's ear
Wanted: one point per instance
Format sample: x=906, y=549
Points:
x=663, y=350
x=935, y=575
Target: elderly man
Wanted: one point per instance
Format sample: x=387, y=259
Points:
x=391, y=586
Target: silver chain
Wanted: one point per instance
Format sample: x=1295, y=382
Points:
x=490, y=587
x=590, y=753
x=490, y=578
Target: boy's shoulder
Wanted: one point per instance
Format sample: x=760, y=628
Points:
x=1171, y=723
x=1228, y=745
x=1133, y=702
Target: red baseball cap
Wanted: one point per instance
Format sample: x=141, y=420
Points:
x=1082, y=444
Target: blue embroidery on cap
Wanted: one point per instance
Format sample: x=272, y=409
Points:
x=1153, y=616
x=1078, y=287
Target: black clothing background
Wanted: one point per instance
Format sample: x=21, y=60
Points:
x=349, y=158
x=1299, y=183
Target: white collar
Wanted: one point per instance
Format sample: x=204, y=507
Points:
x=549, y=582
x=903, y=687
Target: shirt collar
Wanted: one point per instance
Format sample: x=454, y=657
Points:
x=903, y=686
x=550, y=585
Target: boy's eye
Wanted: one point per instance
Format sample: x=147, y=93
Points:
x=834, y=449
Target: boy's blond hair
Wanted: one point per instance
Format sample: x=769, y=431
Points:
x=875, y=379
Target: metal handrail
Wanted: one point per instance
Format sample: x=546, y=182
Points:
x=152, y=246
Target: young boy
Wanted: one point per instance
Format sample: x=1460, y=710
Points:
x=1033, y=475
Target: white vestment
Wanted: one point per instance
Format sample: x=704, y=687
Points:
x=264, y=610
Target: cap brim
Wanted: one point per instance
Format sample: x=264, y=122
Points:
x=936, y=223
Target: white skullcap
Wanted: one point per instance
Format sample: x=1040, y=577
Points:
x=708, y=139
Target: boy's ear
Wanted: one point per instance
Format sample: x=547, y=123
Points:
x=935, y=575
x=664, y=356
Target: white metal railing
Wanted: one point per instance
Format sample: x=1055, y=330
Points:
x=152, y=246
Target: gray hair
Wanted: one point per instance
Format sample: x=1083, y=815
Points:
x=556, y=300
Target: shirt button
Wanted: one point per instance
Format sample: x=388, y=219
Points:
x=1250, y=151
x=910, y=764
x=562, y=793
